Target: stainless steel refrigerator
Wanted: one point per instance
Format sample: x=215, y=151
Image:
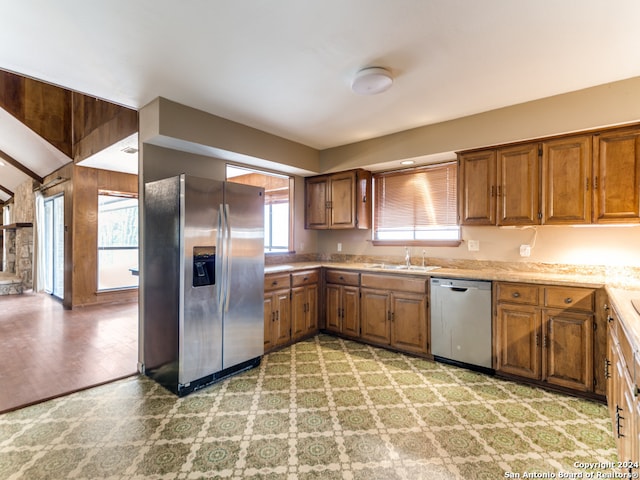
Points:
x=203, y=280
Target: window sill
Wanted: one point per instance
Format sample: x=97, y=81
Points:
x=417, y=243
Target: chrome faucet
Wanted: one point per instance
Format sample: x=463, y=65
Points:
x=407, y=257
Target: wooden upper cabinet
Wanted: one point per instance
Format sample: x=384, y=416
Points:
x=518, y=188
x=617, y=176
x=566, y=190
x=477, y=187
x=338, y=201
x=317, y=202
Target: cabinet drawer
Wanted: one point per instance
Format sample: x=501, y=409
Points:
x=307, y=277
x=518, y=293
x=343, y=278
x=569, y=297
x=394, y=282
x=275, y=282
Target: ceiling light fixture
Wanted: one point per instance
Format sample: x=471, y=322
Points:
x=407, y=162
x=371, y=80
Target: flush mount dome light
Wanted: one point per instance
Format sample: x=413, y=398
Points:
x=372, y=80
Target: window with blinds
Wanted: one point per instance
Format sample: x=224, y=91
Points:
x=278, y=190
x=417, y=206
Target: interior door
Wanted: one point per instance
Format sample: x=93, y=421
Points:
x=54, y=246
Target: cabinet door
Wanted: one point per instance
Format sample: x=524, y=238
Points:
x=351, y=311
x=333, y=307
x=518, y=340
x=312, y=309
x=518, y=189
x=409, y=322
x=269, y=318
x=477, y=187
x=568, y=349
x=316, y=213
x=282, y=323
x=623, y=428
x=566, y=170
x=298, y=312
x=376, y=316
x=343, y=200
x=617, y=176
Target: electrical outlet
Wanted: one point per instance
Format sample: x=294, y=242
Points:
x=339, y=247
x=473, y=245
x=525, y=250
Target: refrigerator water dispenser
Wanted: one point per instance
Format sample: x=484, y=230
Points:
x=204, y=266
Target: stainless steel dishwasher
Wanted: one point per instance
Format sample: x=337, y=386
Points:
x=461, y=321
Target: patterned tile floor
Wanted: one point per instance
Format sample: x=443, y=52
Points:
x=325, y=408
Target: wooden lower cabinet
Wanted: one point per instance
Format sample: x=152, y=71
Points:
x=395, y=317
x=622, y=397
x=568, y=349
x=277, y=310
x=277, y=319
x=518, y=340
x=342, y=302
x=343, y=309
x=304, y=303
x=552, y=345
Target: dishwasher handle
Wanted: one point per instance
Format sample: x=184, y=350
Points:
x=457, y=289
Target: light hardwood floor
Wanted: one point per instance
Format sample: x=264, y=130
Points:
x=47, y=351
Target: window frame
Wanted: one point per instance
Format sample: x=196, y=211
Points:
x=290, y=240
x=416, y=242
x=99, y=247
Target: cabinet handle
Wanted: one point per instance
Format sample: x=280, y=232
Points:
x=341, y=277
x=587, y=184
x=389, y=315
x=568, y=300
x=607, y=363
x=595, y=183
x=544, y=341
x=618, y=422
x=493, y=190
x=274, y=283
x=605, y=307
x=499, y=190
x=393, y=317
x=537, y=340
x=305, y=278
x=515, y=294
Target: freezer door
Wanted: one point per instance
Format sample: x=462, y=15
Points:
x=244, y=296
x=200, y=317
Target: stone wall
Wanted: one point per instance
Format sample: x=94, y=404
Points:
x=19, y=243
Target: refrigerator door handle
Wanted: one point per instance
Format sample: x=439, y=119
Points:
x=220, y=284
x=228, y=257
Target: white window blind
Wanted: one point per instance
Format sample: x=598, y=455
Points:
x=416, y=206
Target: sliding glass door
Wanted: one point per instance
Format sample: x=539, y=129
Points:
x=54, y=246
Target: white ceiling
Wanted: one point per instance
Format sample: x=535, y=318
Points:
x=285, y=66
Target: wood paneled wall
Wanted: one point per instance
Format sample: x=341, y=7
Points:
x=76, y=124
x=81, y=231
